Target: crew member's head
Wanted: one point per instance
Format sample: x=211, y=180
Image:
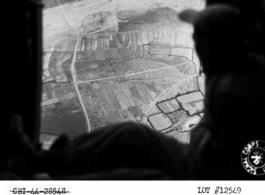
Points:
x=226, y=31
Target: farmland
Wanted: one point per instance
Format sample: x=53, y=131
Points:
x=61, y=110
x=142, y=72
x=63, y=118
x=126, y=99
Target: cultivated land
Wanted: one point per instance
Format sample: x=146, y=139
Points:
x=142, y=70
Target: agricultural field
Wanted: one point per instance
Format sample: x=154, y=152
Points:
x=192, y=102
x=160, y=121
x=121, y=100
x=183, y=107
x=61, y=110
x=146, y=71
x=181, y=136
x=104, y=69
x=57, y=61
x=63, y=118
x=169, y=106
x=160, y=38
x=201, y=81
x=53, y=3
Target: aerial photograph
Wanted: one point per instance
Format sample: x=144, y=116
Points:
x=127, y=90
x=111, y=61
